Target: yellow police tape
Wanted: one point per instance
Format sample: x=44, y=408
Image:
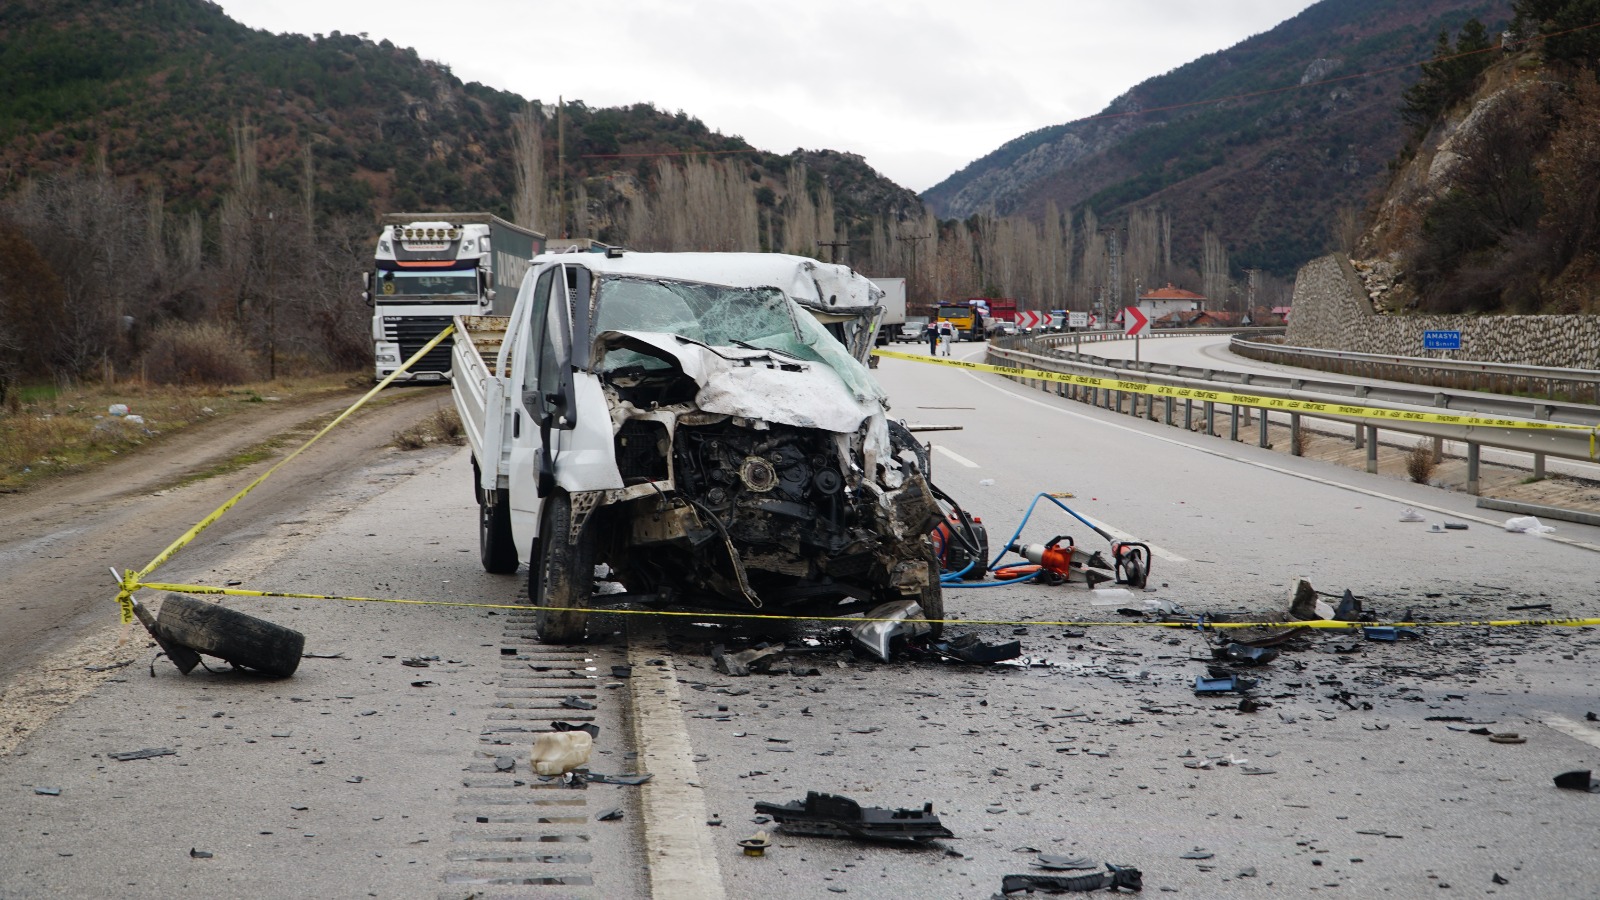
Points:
x=132, y=580
x=1254, y=400
x=770, y=617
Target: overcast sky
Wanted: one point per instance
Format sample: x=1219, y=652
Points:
x=919, y=88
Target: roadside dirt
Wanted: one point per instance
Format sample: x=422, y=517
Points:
x=58, y=540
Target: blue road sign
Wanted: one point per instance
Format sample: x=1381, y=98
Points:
x=1441, y=340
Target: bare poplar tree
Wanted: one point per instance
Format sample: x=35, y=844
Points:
x=1214, y=269
x=527, y=142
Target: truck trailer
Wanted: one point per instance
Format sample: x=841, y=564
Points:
x=431, y=267
x=894, y=309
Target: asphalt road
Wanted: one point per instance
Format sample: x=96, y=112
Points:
x=1361, y=775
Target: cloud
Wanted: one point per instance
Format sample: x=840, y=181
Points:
x=919, y=87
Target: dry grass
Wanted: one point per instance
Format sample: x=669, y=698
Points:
x=442, y=426
x=52, y=432
x=1421, y=462
x=197, y=353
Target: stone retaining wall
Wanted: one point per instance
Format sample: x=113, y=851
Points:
x=1332, y=312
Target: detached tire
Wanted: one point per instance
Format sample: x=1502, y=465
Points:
x=561, y=574
x=243, y=640
x=496, y=548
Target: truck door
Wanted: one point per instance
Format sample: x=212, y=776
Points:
x=543, y=376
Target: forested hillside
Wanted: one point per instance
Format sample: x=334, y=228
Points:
x=166, y=166
x=1262, y=144
x=1495, y=203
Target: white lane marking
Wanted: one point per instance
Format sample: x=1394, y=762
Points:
x=1566, y=726
x=956, y=456
x=682, y=862
x=1581, y=545
x=1121, y=535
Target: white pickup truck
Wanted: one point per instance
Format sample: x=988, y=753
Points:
x=701, y=424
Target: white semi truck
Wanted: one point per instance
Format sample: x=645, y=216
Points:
x=704, y=425
x=431, y=267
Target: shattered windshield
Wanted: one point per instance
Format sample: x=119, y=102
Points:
x=752, y=318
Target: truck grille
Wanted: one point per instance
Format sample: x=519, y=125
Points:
x=411, y=332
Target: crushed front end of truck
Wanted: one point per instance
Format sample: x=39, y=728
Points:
x=756, y=460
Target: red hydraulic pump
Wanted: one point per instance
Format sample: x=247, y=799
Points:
x=1062, y=558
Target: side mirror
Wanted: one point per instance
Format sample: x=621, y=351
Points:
x=366, y=280
x=366, y=297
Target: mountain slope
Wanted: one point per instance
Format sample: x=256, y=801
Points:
x=1232, y=141
x=153, y=87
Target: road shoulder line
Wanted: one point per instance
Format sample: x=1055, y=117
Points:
x=681, y=861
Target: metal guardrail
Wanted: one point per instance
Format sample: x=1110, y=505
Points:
x=1573, y=444
x=1504, y=378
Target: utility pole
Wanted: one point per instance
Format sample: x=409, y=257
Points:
x=833, y=249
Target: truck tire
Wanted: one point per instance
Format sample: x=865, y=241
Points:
x=496, y=548
x=561, y=575
x=244, y=640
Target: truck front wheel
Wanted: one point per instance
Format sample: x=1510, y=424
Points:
x=496, y=549
x=561, y=574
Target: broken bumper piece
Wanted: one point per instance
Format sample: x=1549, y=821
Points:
x=830, y=815
x=1119, y=878
x=968, y=649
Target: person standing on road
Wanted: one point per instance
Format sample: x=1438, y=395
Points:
x=933, y=337
x=946, y=332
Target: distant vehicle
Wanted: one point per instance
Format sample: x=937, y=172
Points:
x=1003, y=329
x=894, y=308
x=431, y=266
x=964, y=319
x=914, y=330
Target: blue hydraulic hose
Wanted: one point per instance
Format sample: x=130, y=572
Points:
x=953, y=579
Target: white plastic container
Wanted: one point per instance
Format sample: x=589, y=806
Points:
x=561, y=751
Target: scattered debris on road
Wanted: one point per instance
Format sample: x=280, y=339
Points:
x=756, y=844
x=1118, y=878
x=1578, y=780
x=147, y=753
x=832, y=815
x=559, y=752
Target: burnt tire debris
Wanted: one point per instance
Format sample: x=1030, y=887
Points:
x=192, y=625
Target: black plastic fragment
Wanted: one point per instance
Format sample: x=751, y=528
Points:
x=576, y=702
x=968, y=649
x=199, y=854
x=832, y=815
x=634, y=780
x=593, y=729
x=1246, y=655
x=147, y=753
x=611, y=815
x=1118, y=878
x=1578, y=780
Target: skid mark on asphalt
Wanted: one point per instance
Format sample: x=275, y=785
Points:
x=515, y=831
